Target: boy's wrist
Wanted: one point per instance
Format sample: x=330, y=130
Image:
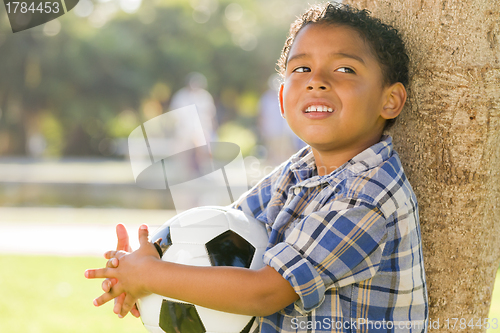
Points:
x=149, y=269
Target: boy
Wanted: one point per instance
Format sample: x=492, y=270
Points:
x=344, y=251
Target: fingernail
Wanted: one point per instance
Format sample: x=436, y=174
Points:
x=120, y=316
x=144, y=227
x=95, y=302
x=87, y=274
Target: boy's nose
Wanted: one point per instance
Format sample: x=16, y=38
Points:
x=318, y=87
x=318, y=82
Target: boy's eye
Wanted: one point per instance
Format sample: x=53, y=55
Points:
x=346, y=70
x=302, y=69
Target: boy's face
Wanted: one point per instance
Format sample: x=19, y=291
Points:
x=331, y=67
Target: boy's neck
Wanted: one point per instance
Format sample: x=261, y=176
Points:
x=328, y=161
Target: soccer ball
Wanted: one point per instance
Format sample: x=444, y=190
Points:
x=205, y=236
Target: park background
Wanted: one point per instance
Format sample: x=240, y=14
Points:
x=71, y=91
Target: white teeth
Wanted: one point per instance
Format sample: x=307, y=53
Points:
x=319, y=108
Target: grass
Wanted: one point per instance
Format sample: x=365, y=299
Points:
x=495, y=303
x=49, y=294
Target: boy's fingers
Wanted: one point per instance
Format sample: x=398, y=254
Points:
x=115, y=254
x=106, y=297
x=103, y=299
x=107, y=284
x=98, y=273
x=110, y=254
x=123, y=240
x=116, y=291
x=127, y=305
x=143, y=234
x=135, y=311
x=112, y=263
x=119, y=303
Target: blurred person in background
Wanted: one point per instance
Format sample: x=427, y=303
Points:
x=194, y=93
x=196, y=160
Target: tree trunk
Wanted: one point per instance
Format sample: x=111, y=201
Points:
x=448, y=137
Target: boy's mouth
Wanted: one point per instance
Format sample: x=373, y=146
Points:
x=318, y=108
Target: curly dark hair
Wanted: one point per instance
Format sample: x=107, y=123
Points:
x=385, y=41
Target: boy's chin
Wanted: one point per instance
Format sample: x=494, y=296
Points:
x=323, y=147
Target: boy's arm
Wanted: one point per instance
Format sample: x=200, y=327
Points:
x=230, y=289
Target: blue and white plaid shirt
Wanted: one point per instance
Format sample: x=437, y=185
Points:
x=349, y=243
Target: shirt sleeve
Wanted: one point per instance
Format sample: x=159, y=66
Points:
x=256, y=201
x=336, y=246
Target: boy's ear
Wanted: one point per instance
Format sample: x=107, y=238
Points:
x=395, y=100
x=282, y=110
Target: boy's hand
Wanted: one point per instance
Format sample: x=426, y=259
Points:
x=130, y=274
x=107, y=284
x=122, y=245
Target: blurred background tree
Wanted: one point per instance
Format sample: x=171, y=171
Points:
x=78, y=85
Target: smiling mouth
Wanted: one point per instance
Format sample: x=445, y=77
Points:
x=318, y=108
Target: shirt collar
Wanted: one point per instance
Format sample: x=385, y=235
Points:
x=304, y=166
x=371, y=156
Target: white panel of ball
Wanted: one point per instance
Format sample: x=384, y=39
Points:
x=150, y=307
x=187, y=254
x=212, y=320
x=196, y=235
x=253, y=231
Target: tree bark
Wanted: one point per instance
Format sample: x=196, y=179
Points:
x=448, y=137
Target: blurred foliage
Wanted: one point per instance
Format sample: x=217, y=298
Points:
x=51, y=130
x=233, y=132
x=102, y=69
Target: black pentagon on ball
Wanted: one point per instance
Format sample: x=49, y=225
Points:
x=247, y=328
x=230, y=249
x=180, y=317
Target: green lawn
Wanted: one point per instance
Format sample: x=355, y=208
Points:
x=50, y=295
x=495, y=303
